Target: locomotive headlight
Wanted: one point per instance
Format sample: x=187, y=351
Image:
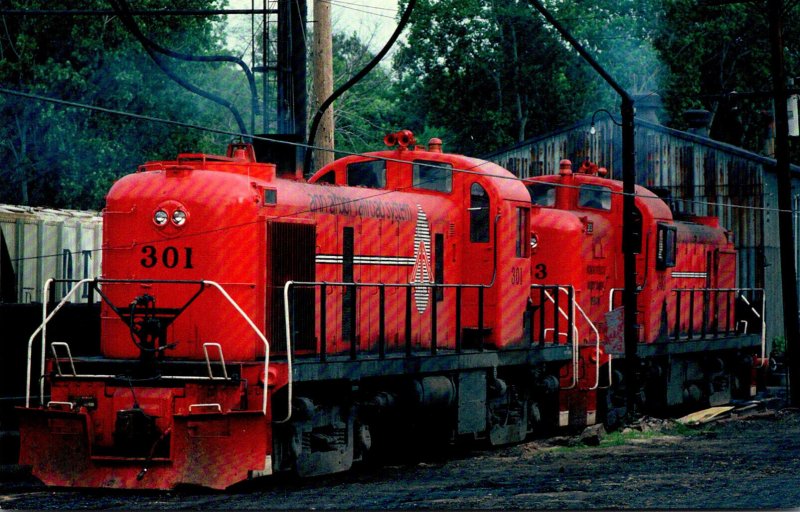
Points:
x=178, y=217
x=534, y=241
x=160, y=217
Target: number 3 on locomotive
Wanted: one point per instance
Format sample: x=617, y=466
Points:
x=170, y=257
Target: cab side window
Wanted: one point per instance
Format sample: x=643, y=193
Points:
x=594, y=196
x=329, y=177
x=478, y=214
x=371, y=174
x=542, y=194
x=436, y=176
x=666, y=246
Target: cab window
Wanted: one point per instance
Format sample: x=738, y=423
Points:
x=542, y=194
x=594, y=196
x=436, y=176
x=666, y=246
x=523, y=244
x=478, y=214
x=371, y=174
x=328, y=177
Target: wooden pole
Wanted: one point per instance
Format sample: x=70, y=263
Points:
x=323, y=81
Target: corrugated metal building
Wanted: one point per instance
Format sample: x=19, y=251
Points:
x=702, y=176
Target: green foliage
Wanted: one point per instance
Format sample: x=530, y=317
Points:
x=68, y=157
x=619, y=35
x=366, y=112
x=489, y=72
x=713, y=51
x=779, y=344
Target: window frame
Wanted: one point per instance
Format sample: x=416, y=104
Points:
x=351, y=171
x=418, y=184
x=605, y=193
x=479, y=222
x=666, y=245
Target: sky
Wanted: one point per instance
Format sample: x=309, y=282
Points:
x=373, y=21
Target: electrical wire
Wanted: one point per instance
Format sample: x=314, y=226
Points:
x=364, y=11
x=470, y=170
x=312, y=132
x=121, y=8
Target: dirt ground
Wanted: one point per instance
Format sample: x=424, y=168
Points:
x=747, y=461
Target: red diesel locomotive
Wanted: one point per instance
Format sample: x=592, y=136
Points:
x=253, y=323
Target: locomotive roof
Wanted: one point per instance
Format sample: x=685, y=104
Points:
x=644, y=196
x=507, y=185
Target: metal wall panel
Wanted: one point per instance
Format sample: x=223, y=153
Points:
x=702, y=177
x=48, y=243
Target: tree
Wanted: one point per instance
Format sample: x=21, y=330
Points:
x=489, y=72
x=68, y=157
x=619, y=34
x=367, y=111
x=712, y=52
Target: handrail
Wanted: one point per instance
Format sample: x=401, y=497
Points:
x=288, y=351
x=575, y=349
x=46, y=319
x=597, y=342
x=256, y=330
x=764, y=360
x=611, y=293
x=69, y=355
x=221, y=359
x=43, y=329
x=218, y=407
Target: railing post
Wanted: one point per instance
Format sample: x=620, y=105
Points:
x=382, y=321
x=704, y=322
x=292, y=321
x=691, y=314
x=433, y=320
x=480, y=318
x=728, y=311
x=677, y=315
x=556, y=311
x=541, y=315
x=323, y=320
x=715, y=322
x=570, y=315
x=354, y=328
x=458, y=319
x=408, y=321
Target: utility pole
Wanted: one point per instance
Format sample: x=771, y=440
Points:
x=788, y=271
x=323, y=81
x=631, y=234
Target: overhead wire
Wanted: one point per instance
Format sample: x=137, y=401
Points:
x=345, y=5
x=470, y=170
x=121, y=8
x=312, y=132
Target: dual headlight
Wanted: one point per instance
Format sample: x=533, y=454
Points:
x=161, y=217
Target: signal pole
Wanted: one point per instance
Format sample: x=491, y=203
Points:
x=323, y=81
x=631, y=239
x=788, y=271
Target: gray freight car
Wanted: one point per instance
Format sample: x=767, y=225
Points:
x=37, y=244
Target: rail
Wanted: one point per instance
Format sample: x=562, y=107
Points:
x=684, y=325
x=597, y=342
x=405, y=302
x=572, y=330
x=46, y=318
